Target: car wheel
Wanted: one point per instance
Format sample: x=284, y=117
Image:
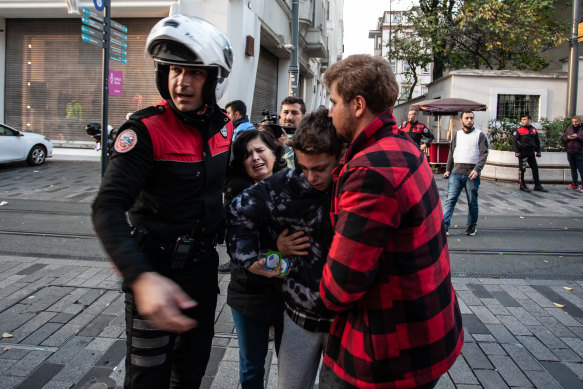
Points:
x=37, y=155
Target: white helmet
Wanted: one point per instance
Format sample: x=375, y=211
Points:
x=188, y=41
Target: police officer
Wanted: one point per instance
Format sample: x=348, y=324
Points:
x=525, y=144
x=417, y=131
x=167, y=169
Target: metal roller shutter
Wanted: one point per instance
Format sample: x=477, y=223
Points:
x=53, y=79
x=265, y=93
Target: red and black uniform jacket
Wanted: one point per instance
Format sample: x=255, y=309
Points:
x=417, y=131
x=526, y=140
x=168, y=170
x=388, y=271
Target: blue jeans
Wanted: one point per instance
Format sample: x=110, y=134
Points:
x=455, y=184
x=576, y=163
x=253, y=338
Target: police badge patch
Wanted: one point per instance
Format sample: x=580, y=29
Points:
x=126, y=141
x=224, y=132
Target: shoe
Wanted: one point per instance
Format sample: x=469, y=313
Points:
x=446, y=231
x=471, y=230
x=573, y=186
x=540, y=189
x=581, y=190
x=225, y=268
x=524, y=188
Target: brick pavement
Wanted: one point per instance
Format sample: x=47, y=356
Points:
x=65, y=317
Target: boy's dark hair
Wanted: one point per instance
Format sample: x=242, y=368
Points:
x=525, y=115
x=316, y=134
x=295, y=100
x=237, y=106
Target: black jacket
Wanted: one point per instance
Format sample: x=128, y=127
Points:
x=167, y=169
x=256, y=218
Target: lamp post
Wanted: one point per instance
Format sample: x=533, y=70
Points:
x=573, y=63
x=294, y=70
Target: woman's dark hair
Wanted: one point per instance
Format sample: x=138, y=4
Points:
x=237, y=178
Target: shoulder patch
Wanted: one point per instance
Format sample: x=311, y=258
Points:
x=126, y=141
x=224, y=132
x=515, y=132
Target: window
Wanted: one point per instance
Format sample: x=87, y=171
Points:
x=405, y=91
x=406, y=67
x=394, y=65
x=378, y=45
x=513, y=106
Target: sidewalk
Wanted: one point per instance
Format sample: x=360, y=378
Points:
x=62, y=320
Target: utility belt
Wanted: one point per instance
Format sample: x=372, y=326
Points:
x=307, y=322
x=184, y=251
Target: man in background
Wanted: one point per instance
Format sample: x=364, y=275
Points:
x=468, y=152
x=237, y=112
x=526, y=145
x=417, y=131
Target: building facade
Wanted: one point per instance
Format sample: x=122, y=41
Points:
x=381, y=36
x=51, y=81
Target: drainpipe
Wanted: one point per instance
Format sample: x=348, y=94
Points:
x=294, y=70
x=573, y=63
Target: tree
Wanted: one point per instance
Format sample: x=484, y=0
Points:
x=407, y=46
x=492, y=34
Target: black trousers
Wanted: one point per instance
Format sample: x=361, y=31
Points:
x=159, y=359
x=531, y=160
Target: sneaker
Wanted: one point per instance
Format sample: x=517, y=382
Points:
x=446, y=231
x=225, y=268
x=471, y=230
x=581, y=190
x=540, y=189
x=524, y=188
x=573, y=186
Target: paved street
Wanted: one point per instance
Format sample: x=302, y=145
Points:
x=61, y=311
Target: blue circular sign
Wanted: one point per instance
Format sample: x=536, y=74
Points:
x=99, y=4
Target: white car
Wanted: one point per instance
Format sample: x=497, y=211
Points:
x=23, y=146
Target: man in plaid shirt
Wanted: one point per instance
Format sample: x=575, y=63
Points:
x=388, y=272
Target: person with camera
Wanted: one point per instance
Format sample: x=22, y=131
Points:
x=237, y=112
x=167, y=172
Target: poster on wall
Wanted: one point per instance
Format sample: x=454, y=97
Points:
x=115, y=83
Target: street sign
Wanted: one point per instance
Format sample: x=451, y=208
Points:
x=118, y=58
x=119, y=51
x=119, y=43
x=92, y=40
x=87, y=12
x=92, y=23
x=91, y=32
x=99, y=4
x=118, y=34
x=118, y=26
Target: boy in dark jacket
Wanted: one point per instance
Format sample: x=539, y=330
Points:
x=296, y=202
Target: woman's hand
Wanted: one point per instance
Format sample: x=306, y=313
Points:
x=258, y=268
x=293, y=244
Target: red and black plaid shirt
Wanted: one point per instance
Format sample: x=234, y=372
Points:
x=388, y=270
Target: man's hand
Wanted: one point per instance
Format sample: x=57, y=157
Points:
x=258, y=268
x=572, y=136
x=538, y=155
x=423, y=147
x=517, y=154
x=473, y=175
x=293, y=244
x=446, y=174
x=160, y=301
x=283, y=140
